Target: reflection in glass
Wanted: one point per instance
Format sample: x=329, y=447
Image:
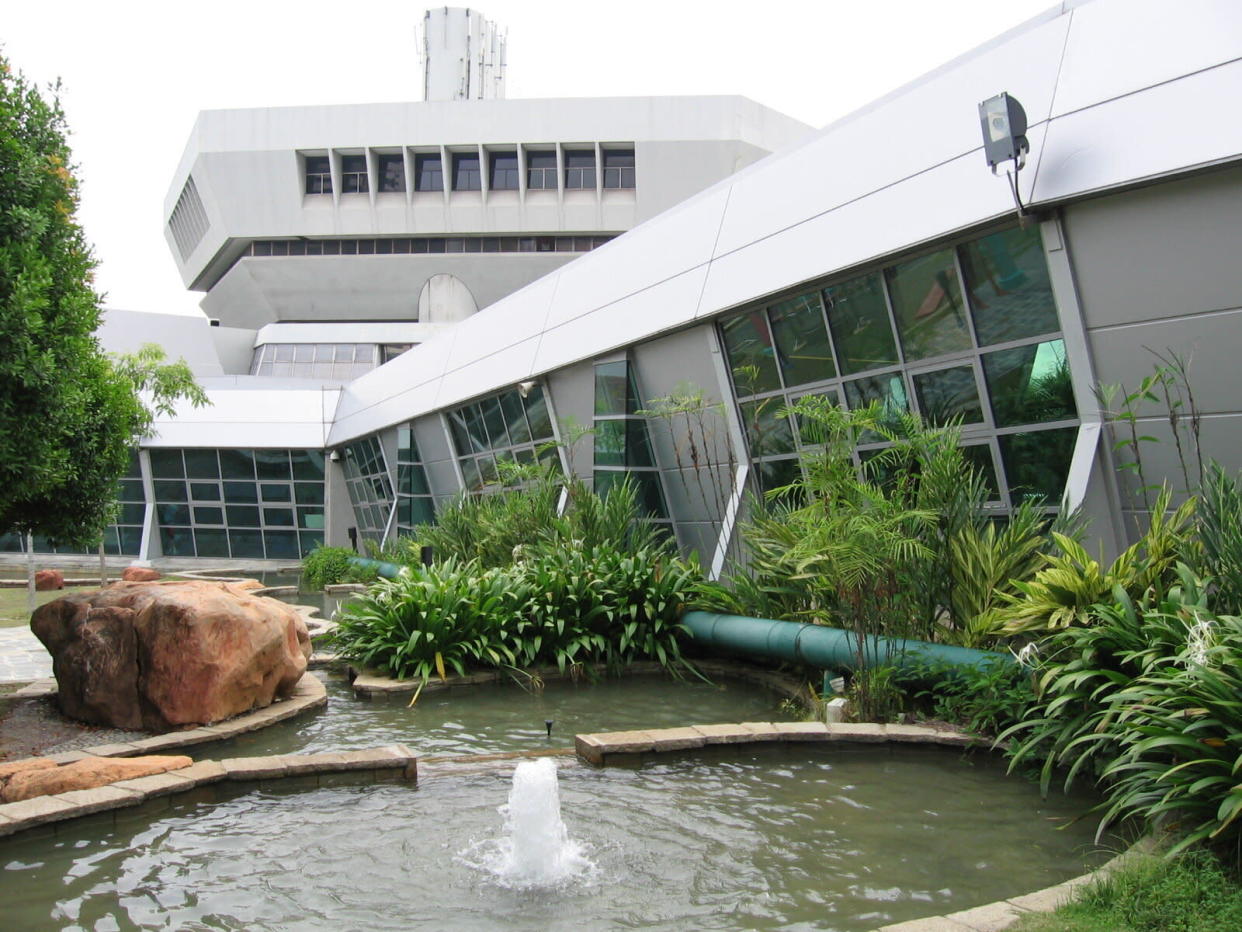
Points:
x=537, y=415
x=811, y=432
x=1010, y=294
x=614, y=389
x=927, y=304
x=801, y=340
x=979, y=456
x=776, y=474
x=1030, y=384
x=948, y=395
x=767, y=434
x=1037, y=464
x=391, y=173
x=888, y=389
x=751, y=354
x=858, y=318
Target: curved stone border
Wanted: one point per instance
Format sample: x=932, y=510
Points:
x=379, y=765
x=628, y=747
x=309, y=693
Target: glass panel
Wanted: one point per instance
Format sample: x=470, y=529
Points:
x=614, y=391
x=244, y=493
x=470, y=475
x=273, y=492
x=1010, y=294
x=280, y=517
x=212, y=542
x=927, y=303
x=201, y=464
x=166, y=464
x=801, y=340
x=205, y=491
x=281, y=545
x=391, y=173
x=811, y=432
x=132, y=513
x=980, y=457
x=504, y=171
x=272, y=464
x=208, y=515
x=610, y=443
x=475, y=429
x=1037, y=464
x=494, y=420
x=177, y=542
x=428, y=173
x=130, y=540
x=766, y=433
x=1030, y=384
x=465, y=172
x=169, y=490
x=858, y=318
x=307, y=464
x=246, y=543
x=242, y=515
x=310, y=541
x=888, y=389
x=751, y=355
x=130, y=490
x=173, y=514
x=310, y=518
x=774, y=474
x=308, y=493
x=537, y=414
x=949, y=394
x=422, y=511
x=515, y=417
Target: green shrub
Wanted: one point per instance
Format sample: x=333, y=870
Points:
x=981, y=700
x=556, y=605
x=1220, y=535
x=327, y=566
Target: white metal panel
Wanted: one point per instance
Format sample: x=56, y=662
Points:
x=517, y=318
x=1177, y=125
x=422, y=365
x=679, y=240
x=383, y=412
x=932, y=122
x=1120, y=46
x=665, y=305
x=250, y=418
x=243, y=435
x=508, y=366
x=396, y=331
x=901, y=215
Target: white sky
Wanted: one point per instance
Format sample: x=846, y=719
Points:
x=135, y=74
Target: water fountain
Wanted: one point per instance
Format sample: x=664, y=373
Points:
x=536, y=850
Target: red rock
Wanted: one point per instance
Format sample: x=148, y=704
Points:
x=47, y=580
x=7, y=771
x=156, y=655
x=86, y=774
x=139, y=574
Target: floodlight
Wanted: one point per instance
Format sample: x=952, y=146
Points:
x=1004, y=131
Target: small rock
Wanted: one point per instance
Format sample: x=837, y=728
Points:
x=139, y=574
x=48, y=580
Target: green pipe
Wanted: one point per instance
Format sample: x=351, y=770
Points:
x=826, y=648
x=387, y=570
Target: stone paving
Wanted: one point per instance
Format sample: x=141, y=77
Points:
x=22, y=657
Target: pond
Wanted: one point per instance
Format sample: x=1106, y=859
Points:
x=813, y=836
x=505, y=717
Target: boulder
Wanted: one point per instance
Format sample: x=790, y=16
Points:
x=47, y=580
x=86, y=774
x=139, y=574
x=158, y=655
x=9, y=770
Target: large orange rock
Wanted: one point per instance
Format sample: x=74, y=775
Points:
x=157, y=655
x=86, y=774
x=47, y=580
x=139, y=574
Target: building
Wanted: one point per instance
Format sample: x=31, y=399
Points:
x=851, y=265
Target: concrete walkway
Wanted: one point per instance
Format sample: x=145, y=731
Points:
x=22, y=657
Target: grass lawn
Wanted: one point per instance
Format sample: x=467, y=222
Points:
x=1192, y=893
x=13, y=603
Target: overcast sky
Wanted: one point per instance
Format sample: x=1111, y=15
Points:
x=135, y=74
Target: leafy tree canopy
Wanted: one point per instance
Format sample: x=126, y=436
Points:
x=69, y=414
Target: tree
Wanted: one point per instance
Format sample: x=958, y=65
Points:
x=69, y=415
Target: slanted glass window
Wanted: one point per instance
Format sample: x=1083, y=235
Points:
x=801, y=340
x=354, y=174
x=503, y=173
x=889, y=390
x=618, y=168
x=428, y=173
x=1037, y=463
x=466, y=176
x=752, y=355
x=767, y=432
x=1030, y=384
x=927, y=303
x=318, y=175
x=579, y=169
x=614, y=389
x=1007, y=280
x=858, y=318
x=392, y=173
x=979, y=456
x=948, y=395
x=541, y=171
